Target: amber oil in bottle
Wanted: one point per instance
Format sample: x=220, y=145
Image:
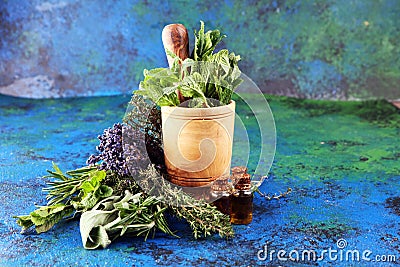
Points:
x=242, y=200
x=220, y=192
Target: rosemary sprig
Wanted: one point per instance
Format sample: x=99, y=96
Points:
x=203, y=218
x=128, y=214
x=72, y=192
x=66, y=185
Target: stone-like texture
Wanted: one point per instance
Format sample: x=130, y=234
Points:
x=340, y=158
x=33, y=87
x=318, y=49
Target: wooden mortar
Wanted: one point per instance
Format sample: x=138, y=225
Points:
x=197, y=141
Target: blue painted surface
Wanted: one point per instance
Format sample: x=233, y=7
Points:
x=317, y=49
x=336, y=193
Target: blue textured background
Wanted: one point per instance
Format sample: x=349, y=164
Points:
x=318, y=49
x=340, y=158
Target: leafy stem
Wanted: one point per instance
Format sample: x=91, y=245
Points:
x=67, y=185
x=203, y=77
x=74, y=191
x=203, y=218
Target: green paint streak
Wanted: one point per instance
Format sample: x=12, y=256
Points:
x=353, y=42
x=327, y=139
x=330, y=229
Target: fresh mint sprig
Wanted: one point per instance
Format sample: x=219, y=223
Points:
x=74, y=191
x=206, y=79
x=205, y=43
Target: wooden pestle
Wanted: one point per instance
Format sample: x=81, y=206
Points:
x=175, y=38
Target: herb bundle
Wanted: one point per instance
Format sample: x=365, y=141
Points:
x=73, y=192
x=205, y=79
x=107, y=197
x=122, y=190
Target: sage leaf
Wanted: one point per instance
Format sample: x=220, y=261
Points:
x=45, y=217
x=93, y=233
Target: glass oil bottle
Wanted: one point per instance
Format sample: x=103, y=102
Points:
x=220, y=192
x=241, y=199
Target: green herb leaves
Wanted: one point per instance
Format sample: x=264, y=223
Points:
x=120, y=215
x=92, y=191
x=207, y=78
x=75, y=191
x=93, y=183
x=205, y=43
x=160, y=86
x=65, y=186
x=105, y=215
x=203, y=218
x=44, y=218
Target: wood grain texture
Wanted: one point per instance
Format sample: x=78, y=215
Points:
x=176, y=39
x=197, y=143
